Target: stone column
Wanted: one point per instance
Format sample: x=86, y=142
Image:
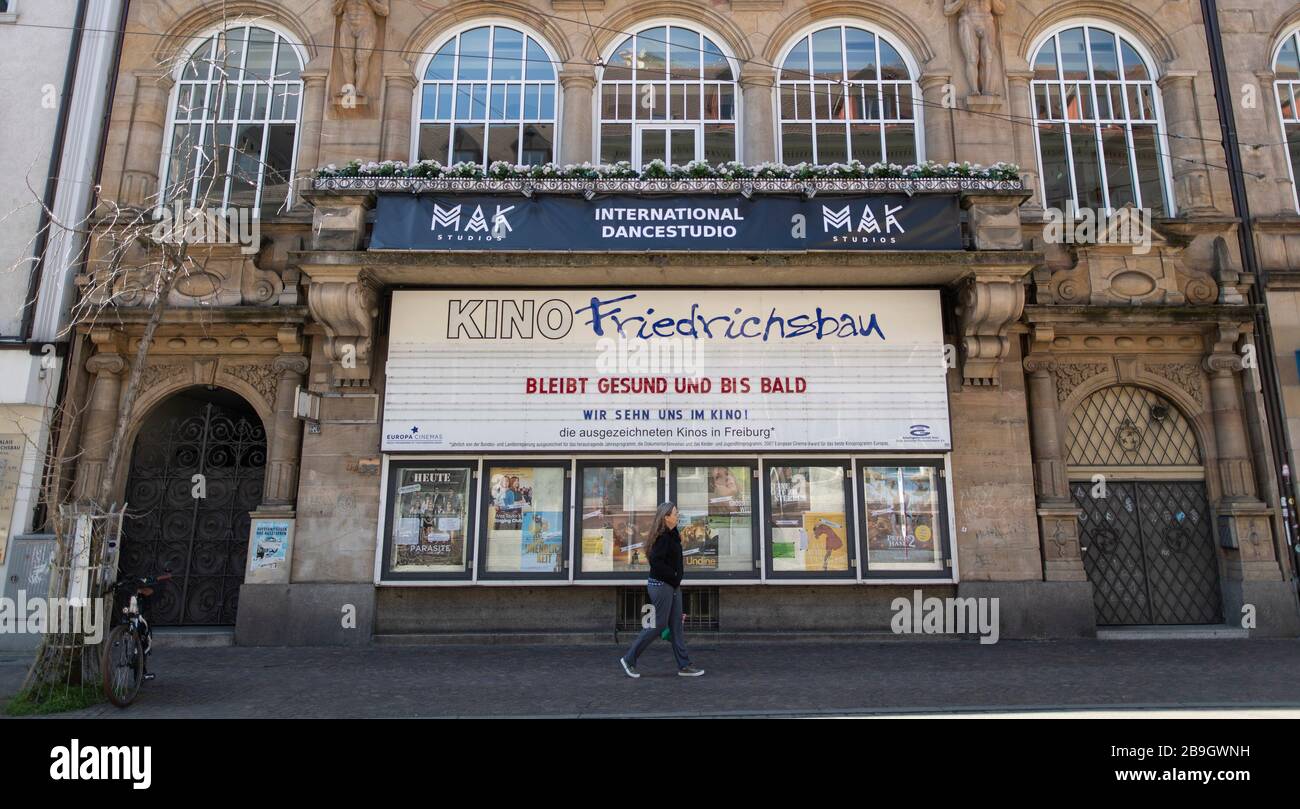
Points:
x=1058, y=517
x=399, y=97
x=281, y=489
x=1186, y=152
x=313, y=119
x=758, y=137
x=939, y=96
x=577, y=83
x=145, y=142
x=1236, y=476
x=1272, y=160
x=1026, y=155
x=97, y=437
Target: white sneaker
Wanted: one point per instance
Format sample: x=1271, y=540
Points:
x=689, y=671
x=631, y=672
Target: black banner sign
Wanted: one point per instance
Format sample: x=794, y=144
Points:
x=629, y=223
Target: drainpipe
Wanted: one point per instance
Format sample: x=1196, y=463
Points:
x=1271, y=385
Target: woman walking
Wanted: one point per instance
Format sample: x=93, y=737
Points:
x=664, y=587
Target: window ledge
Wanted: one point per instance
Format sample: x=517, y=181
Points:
x=8, y=17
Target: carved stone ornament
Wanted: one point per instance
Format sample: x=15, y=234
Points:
x=1185, y=375
x=359, y=33
x=1070, y=375
x=261, y=377
x=346, y=306
x=977, y=32
x=986, y=311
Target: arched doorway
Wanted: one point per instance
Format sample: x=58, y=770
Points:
x=1146, y=530
x=196, y=471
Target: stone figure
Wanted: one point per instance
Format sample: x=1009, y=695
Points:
x=358, y=34
x=977, y=29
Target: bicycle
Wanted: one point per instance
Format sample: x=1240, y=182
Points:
x=124, y=657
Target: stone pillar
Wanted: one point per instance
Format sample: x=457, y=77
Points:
x=145, y=142
x=1186, y=152
x=758, y=137
x=577, y=83
x=1026, y=155
x=1058, y=517
x=399, y=97
x=939, y=96
x=1236, y=476
x=313, y=119
x=1271, y=160
x=281, y=489
x=101, y=421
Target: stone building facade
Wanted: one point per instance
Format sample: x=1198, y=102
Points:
x=1109, y=459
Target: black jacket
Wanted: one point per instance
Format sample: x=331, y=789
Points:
x=666, y=558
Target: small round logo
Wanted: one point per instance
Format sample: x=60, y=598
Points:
x=923, y=533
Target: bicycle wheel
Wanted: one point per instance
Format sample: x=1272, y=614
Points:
x=123, y=666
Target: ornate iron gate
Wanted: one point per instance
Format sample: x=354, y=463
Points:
x=1149, y=552
x=196, y=527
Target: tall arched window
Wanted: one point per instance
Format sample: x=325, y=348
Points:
x=488, y=94
x=233, y=132
x=1101, y=143
x=1286, y=71
x=846, y=93
x=669, y=93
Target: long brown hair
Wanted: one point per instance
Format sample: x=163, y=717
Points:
x=657, y=527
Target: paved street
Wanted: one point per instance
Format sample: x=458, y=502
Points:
x=742, y=679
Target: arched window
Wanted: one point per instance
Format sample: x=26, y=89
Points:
x=846, y=93
x=668, y=93
x=488, y=94
x=1286, y=70
x=233, y=131
x=1101, y=143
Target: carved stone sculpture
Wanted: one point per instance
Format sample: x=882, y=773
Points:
x=977, y=31
x=358, y=34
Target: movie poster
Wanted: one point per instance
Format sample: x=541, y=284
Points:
x=715, y=504
x=699, y=543
x=431, y=519
x=618, y=508
x=541, y=541
x=513, y=494
x=809, y=532
x=901, y=507
x=827, y=541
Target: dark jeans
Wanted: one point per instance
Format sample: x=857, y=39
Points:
x=667, y=601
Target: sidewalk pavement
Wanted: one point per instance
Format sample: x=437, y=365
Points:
x=772, y=679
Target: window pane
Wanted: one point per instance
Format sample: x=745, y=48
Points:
x=1287, y=65
x=443, y=64
x=547, y=106
x=1052, y=163
x=507, y=54
x=832, y=144
x=1134, y=67
x=430, y=517
x=796, y=143
x=1074, y=60
x=652, y=53
x=615, y=143
x=609, y=101
x=683, y=53
x=474, y=54
x=1105, y=61
x=478, y=105
x=900, y=144
x=525, y=519
x=692, y=104
x=1114, y=146
x=865, y=140
x=796, y=62
x=213, y=165
x=618, y=509
x=787, y=102
x=446, y=95
x=827, y=54
x=532, y=101
x=230, y=55
x=654, y=145
x=467, y=144
x=277, y=172
x=902, y=517
x=538, y=145
x=1087, y=168
x=619, y=66
x=892, y=66
x=1293, y=149
x=1150, y=169
x=807, y=528
x=716, y=518
x=428, y=101
x=681, y=146
x=860, y=54
x=539, y=64
x=287, y=65
x=261, y=49
x=1045, y=64
x=719, y=143
x=503, y=143
x=716, y=65
x=497, y=104
x=180, y=168
x=434, y=142
x=247, y=165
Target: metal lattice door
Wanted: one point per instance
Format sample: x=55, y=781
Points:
x=199, y=534
x=1149, y=553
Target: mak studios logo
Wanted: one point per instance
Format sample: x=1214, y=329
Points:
x=853, y=225
x=461, y=223
x=77, y=762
